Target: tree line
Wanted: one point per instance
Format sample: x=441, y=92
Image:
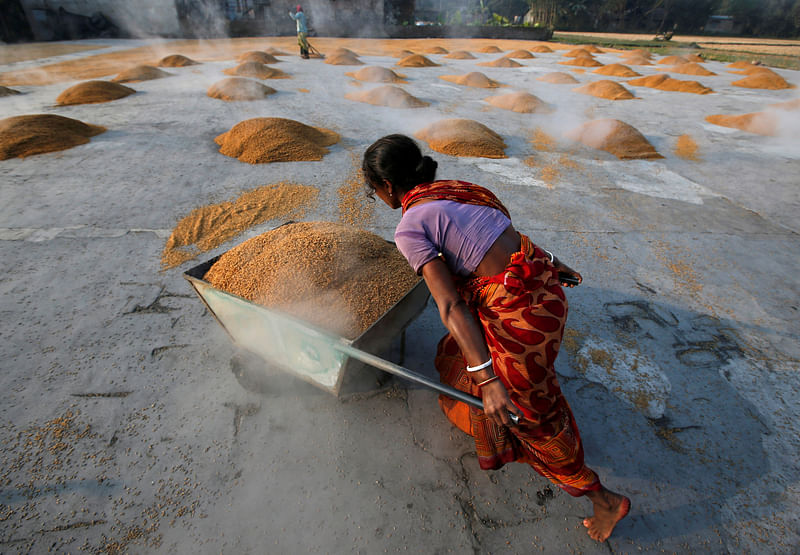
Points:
x=765, y=18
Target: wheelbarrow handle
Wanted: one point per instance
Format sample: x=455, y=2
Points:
x=402, y=372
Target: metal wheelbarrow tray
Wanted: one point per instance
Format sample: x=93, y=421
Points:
x=301, y=348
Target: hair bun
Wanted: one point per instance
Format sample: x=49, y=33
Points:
x=426, y=169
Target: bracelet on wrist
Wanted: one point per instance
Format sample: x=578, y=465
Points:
x=490, y=380
x=550, y=254
x=480, y=367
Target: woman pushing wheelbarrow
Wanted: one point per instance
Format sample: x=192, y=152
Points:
x=500, y=297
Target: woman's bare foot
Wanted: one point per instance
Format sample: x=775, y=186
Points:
x=609, y=508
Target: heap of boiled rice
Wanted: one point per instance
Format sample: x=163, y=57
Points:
x=265, y=140
x=666, y=83
x=637, y=61
x=521, y=102
x=637, y=53
x=501, y=62
x=690, y=68
x=257, y=56
x=616, y=70
x=460, y=55
x=388, y=95
x=342, y=51
x=617, y=137
x=473, y=79
x=275, y=52
x=437, y=50
x=207, y=227
x=604, y=88
x=770, y=81
x=256, y=69
x=490, y=49
x=22, y=136
x=331, y=275
x=760, y=123
x=343, y=57
x=541, y=49
x=558, y=78
x=673, y=60
x=753, y=70
x=578, y=53
x=520, y=54
x=416, y=60
x=140, y=73
x=376, y=74
x=239, y=88
x=463, y=137
x=92, y=92
x=581, y=61
x=176, y=60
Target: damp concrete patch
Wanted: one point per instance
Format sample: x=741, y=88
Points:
x=513, y=170
x=627, y=374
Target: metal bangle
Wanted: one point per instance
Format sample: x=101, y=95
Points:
x=490, y=380
x=550, y=254
x=480, y=366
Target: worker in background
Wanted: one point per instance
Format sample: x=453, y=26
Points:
x=302, y=30
x=500, y=296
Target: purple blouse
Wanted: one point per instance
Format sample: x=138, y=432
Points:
x=462, y=233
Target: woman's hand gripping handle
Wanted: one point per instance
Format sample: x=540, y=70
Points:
x=498, y=406
x=458, y=319
x=567, y=276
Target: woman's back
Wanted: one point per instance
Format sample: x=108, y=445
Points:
x=461, y=233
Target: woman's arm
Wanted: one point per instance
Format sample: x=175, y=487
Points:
x=458, y=319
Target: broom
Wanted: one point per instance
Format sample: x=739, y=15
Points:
x=313, y=51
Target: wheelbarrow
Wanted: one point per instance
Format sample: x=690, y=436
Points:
x=324, y=359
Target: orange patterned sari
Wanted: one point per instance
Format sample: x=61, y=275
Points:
x=522, y=312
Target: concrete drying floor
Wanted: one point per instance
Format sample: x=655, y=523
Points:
x=124, y=429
